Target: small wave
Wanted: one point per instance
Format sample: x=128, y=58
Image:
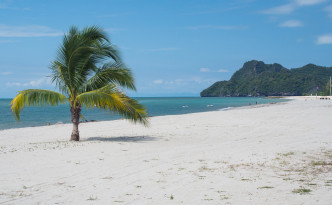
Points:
x=226, y=108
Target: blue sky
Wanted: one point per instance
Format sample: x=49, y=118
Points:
x=175, y=48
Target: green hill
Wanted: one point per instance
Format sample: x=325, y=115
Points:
x=256, y=78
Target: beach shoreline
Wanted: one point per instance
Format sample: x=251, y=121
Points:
x=47, y=124
x=265, y=154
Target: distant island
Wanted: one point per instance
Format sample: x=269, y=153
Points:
x=256, y=79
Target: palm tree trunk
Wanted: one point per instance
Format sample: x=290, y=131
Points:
x=75, y=118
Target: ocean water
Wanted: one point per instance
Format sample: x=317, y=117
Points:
x=39, y=116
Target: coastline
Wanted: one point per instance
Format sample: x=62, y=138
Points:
x=46, y=123
x=252, y=154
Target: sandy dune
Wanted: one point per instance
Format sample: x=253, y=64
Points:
x=270, y=154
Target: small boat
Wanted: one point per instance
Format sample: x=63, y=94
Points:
x=209, y=106
x=185, y=106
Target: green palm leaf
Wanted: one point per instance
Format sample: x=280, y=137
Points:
x=109, y=98
x=114, y=73
x=35, y=97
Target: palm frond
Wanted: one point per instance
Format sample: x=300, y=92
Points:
x=109, y=98
x=35, y=97
x=114, y=73
x=94, y=33
x=78, y=56
x=109, y=50
x=60, y=78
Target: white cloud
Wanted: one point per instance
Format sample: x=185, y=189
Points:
x=7, y=41
x=13, y=84
x=284, y=9
x=200, y=81
x=217, y=27
x=6, y=73
x=28, y=31
x=202, y=12
x=308, y=2
x=159, y=81
x=329, y=10
x=204, y=70
x=32, y=83
x=160, y=49
x=291, y=24
x=324, y=39
x=289, y=8
x=222, y=71
x=193, y=80
x=35, y=83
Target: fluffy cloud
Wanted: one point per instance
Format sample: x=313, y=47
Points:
x=158, y=81
x=284, y=9
x=291, y=24
x=7, y=41
x=329, y=10
x=28, y=31
x=204, y=70
x=290, y=7
x=193, y=80
x=182, y=82
x=13, y=84
x=32, y=83
x=161, y=49
x=222, y=71
x=6, y=73
x=324, y=39
x=308, y=2
x=217, y=27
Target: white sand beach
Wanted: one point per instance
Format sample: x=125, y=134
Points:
x=266, y=154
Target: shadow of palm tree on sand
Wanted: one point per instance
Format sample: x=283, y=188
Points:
x=122, y=139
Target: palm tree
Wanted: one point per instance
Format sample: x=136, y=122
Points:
x=88, y=72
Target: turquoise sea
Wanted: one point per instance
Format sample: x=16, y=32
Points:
x=39, y=116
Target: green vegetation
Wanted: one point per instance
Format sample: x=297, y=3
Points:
x=321, y=163
x=266, y=187
x=288, y=154
x=92, y=198
x=88, y=71
x=256, y=78
x=301, y=191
